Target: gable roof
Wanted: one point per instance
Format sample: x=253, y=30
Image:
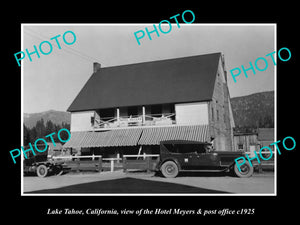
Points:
x=186, y=79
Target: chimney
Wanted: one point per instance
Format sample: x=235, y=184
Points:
x=96, y=66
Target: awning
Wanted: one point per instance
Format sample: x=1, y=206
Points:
x=110, y=138
x=138, y=136
x=153, y=135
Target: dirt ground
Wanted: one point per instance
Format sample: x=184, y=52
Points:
x=140, y=182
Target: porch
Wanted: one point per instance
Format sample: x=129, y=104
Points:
x=134, y=116
x=134, y=121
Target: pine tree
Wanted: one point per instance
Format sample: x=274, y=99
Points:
x=40, y=128
x=26, y=135
x=49, y=127
x=33, y=135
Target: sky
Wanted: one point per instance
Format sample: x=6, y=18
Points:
x=54, y=80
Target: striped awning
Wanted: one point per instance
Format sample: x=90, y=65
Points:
x=153, y=135
x=138, y=136
x=109, y=138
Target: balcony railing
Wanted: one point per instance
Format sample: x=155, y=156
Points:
x=139, y=120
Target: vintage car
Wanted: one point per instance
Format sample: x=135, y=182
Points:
x=42, y=165
x=179, y=155
x=43, y=168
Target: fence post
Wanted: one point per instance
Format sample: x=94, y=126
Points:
x=124, y=164
x=112, y=162
x=260, y=170
x=148, y=159
x=100, y=164
x=78, y=164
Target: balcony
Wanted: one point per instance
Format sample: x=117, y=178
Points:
x=134, y=121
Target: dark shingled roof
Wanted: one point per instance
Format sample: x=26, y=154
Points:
x=186, y=79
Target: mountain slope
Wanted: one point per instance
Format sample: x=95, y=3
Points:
x=57, y=117
x=254, y=110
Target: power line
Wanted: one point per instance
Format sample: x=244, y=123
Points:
x=71, y=49
x=65, y=48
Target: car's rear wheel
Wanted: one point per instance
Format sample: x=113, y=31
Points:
x=245, y=170
x=169, y=169
x=42, y=171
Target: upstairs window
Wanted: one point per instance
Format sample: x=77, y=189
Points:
x=133, y=111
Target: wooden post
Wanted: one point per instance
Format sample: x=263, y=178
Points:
x=112, y=165
x=140, y=149
x=124, y=164
x=78, y=164
x=100, y=164
x=118, y=116
x=144, y=115
x=148, y=160
x=260, y=170
x=118, y=156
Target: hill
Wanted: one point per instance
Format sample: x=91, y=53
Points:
x=57, y=117
x=254, y=110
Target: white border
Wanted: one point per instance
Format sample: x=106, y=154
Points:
x=143, y=24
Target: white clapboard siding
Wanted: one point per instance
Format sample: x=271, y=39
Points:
x=192, y=113
x=81, y=121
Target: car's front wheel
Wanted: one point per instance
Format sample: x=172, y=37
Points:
x=245, y=170
x=169, y=169
x=42, y=170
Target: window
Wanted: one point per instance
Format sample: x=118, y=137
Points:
x=218, y=115
x=170, y=148
x=107, y=113
x=156, y=110
x=212, y=113
x=190, y=148
x=133, y=111
x=240, y=146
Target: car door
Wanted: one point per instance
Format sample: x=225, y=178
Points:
x=202, y=159
x=193, y=157
x=208, y=160
x=185, y=156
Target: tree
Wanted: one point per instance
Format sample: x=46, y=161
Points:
x=49, y=127
x=33, y=134
x=26, y=135
x=40, y=128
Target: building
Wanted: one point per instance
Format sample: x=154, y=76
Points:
x=131, y=108
x=265, y=137
x=246, y=142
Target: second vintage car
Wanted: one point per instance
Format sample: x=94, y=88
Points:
x=180, y=155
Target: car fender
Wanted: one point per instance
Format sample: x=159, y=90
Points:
x=49, y=165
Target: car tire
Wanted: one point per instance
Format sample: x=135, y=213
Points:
x=169, y=169
x=246, y=170
x=42, y=171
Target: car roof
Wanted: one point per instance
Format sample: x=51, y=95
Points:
x=182, y=142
